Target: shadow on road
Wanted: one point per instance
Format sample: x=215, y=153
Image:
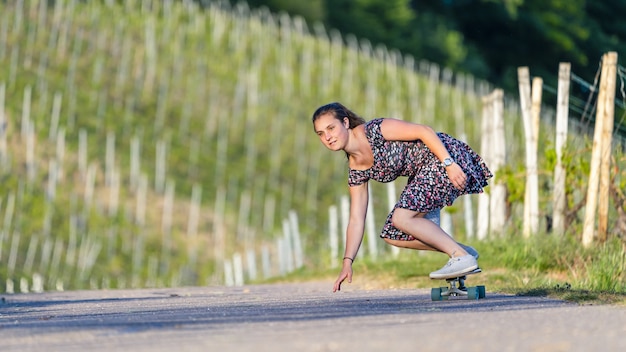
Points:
x=133, y=310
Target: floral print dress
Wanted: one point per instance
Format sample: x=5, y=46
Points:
x=428, y=187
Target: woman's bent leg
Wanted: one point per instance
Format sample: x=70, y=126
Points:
x=426, y=232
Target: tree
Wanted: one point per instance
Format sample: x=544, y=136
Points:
x=311, y=10
x=379, y=21
x=487, y=38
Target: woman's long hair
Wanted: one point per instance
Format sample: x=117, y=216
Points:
x=339, y=112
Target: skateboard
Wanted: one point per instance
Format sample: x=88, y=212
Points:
x=457, y=288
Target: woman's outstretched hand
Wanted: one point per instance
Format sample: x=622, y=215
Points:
x=346, y=273
x=457, y=176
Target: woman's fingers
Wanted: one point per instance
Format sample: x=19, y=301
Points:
x=337, y=286
x=345, y=274
x=457, y=177
x=461, y=182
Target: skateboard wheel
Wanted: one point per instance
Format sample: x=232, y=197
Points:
x=435, y=294
x=473, y=293
x=445, y=293
x=481, y=291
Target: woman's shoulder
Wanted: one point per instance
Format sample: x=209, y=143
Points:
x=373, y=124
x=357, y=177
x=373, y=130
x=376, y=121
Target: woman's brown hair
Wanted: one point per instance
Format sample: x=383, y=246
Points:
x=339, y=112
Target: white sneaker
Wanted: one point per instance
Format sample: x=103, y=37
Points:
x=456, y=267
x=470, y=250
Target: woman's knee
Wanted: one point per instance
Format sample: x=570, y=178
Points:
x=397, y=217
x=400, y=217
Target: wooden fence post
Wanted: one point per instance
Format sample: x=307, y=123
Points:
x=238, y=269
x=607, y=133
x=562, y=115
x=286, y=249
x=266, y=262
x=531, y=202
x=298, y=253
x=251, y=262
x=333, y=231
x=468, y=210
x=486, y=150
x=344, y=209
x=229, y=276
x=498, y=189
x=535, y=110
x=601, y=153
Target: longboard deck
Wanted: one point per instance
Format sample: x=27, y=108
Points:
x=457, y=288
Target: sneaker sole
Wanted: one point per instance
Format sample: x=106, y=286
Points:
x=464, y=276
x=468, y=270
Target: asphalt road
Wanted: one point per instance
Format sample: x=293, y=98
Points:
x=301, y=317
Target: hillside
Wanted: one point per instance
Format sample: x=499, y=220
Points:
x=146, y=144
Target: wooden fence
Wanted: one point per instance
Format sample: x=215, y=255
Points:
x=120, y=123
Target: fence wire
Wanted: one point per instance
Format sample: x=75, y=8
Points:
x=584, y=104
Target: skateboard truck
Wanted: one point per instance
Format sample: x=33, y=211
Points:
x=457, y=288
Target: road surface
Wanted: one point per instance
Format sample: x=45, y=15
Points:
x=301, y=317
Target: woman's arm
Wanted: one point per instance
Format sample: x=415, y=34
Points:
x=398, y=130
x=359, y=196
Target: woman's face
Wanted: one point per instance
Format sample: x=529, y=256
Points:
x=333, y=133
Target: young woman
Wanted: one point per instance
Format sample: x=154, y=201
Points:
x=439, y=169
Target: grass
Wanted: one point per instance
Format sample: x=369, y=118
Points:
x=228, y=98
x=541, y=266
x=216, y=99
